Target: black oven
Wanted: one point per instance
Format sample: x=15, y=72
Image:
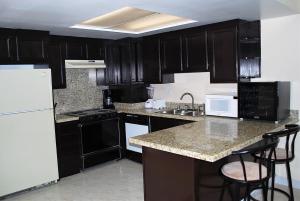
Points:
x=98, y=136
x=100, y=139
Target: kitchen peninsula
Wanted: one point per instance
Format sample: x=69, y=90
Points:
x=182, y=163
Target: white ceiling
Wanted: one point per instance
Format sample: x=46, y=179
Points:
x=58, y=15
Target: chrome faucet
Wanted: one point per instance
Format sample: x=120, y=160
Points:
x=191, y=95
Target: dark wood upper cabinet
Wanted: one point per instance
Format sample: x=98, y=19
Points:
x=75, y=48
x=7, y=46
x=151, y=60
x=171, y=50
x=123, y=62
x=234, y=51
x=112, y=60
x=95, y=49
x=23, y=46
x=229, y=50
x=138, y=60
x=195, y=51
x=32, y=46
x=127, y=64
x=249, y=50
x=57, y=62
x=223, y=54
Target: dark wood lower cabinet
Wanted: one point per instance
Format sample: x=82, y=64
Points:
x=171, y=177
x=160, y=123
x=68, y=148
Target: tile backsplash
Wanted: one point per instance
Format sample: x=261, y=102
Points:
x=81, y=92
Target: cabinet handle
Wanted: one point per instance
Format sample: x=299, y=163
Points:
x=43, y=50
x=17, y=44
x=181, y=64
x=187, y=53
x=206, y=51
x=8, y=47
x=159, y=62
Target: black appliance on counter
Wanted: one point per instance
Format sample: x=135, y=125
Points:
x=100, y=136
x=264, y=100
x=107, y=99
x=129, y=93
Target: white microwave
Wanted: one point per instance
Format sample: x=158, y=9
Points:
x=224, y=105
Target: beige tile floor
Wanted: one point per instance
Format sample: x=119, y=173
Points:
x=113, y=181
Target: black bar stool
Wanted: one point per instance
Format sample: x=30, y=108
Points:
x=250, y=174
x=283, y=156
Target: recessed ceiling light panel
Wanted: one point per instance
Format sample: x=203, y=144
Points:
x=132, y=20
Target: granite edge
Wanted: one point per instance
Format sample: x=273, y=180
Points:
x=201, y=156
x=60, y=118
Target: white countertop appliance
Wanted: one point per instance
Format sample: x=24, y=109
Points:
x=27, y=135
x=224, y=105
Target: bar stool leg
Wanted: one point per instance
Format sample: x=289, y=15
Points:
x=288, y=171
x=265, y=190
x=273, y=181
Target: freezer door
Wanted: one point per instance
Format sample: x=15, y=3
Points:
x=25, y=90
x=27, y=151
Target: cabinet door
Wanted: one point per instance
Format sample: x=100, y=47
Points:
x=159, y=123
x=112, y=59
x=68, y=148
x=127, y=64
x=172, y=54
x=32, y=46
x=95, y=49
x=75, y=48
x=249, y=50
x=7, y=46
x=151, y=60
x=195, y=52
x=138, y=48
x=223, y=55
x=57, y=64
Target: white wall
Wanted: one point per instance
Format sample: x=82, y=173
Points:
x=280, y=45
x=196, y=83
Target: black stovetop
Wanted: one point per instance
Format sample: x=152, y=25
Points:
x=90, y=112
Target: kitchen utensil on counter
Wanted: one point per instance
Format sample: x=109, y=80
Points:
x=107, y=99
x=149, y=103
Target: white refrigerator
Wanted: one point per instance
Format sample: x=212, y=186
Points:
x=27, y=136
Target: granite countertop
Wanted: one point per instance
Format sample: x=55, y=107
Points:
x=210, y=138
x=60, y=118
x=154, y=112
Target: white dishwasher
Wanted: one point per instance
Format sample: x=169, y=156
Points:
x=135, y=125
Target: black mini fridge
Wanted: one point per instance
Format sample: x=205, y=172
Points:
x=264, y=100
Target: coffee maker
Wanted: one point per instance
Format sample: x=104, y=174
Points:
x=107, y=99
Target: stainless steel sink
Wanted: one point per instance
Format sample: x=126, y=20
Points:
x=182, y=112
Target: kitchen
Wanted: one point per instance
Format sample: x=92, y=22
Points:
x=128, y=69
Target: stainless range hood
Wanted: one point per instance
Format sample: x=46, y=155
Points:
x=85, y=64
